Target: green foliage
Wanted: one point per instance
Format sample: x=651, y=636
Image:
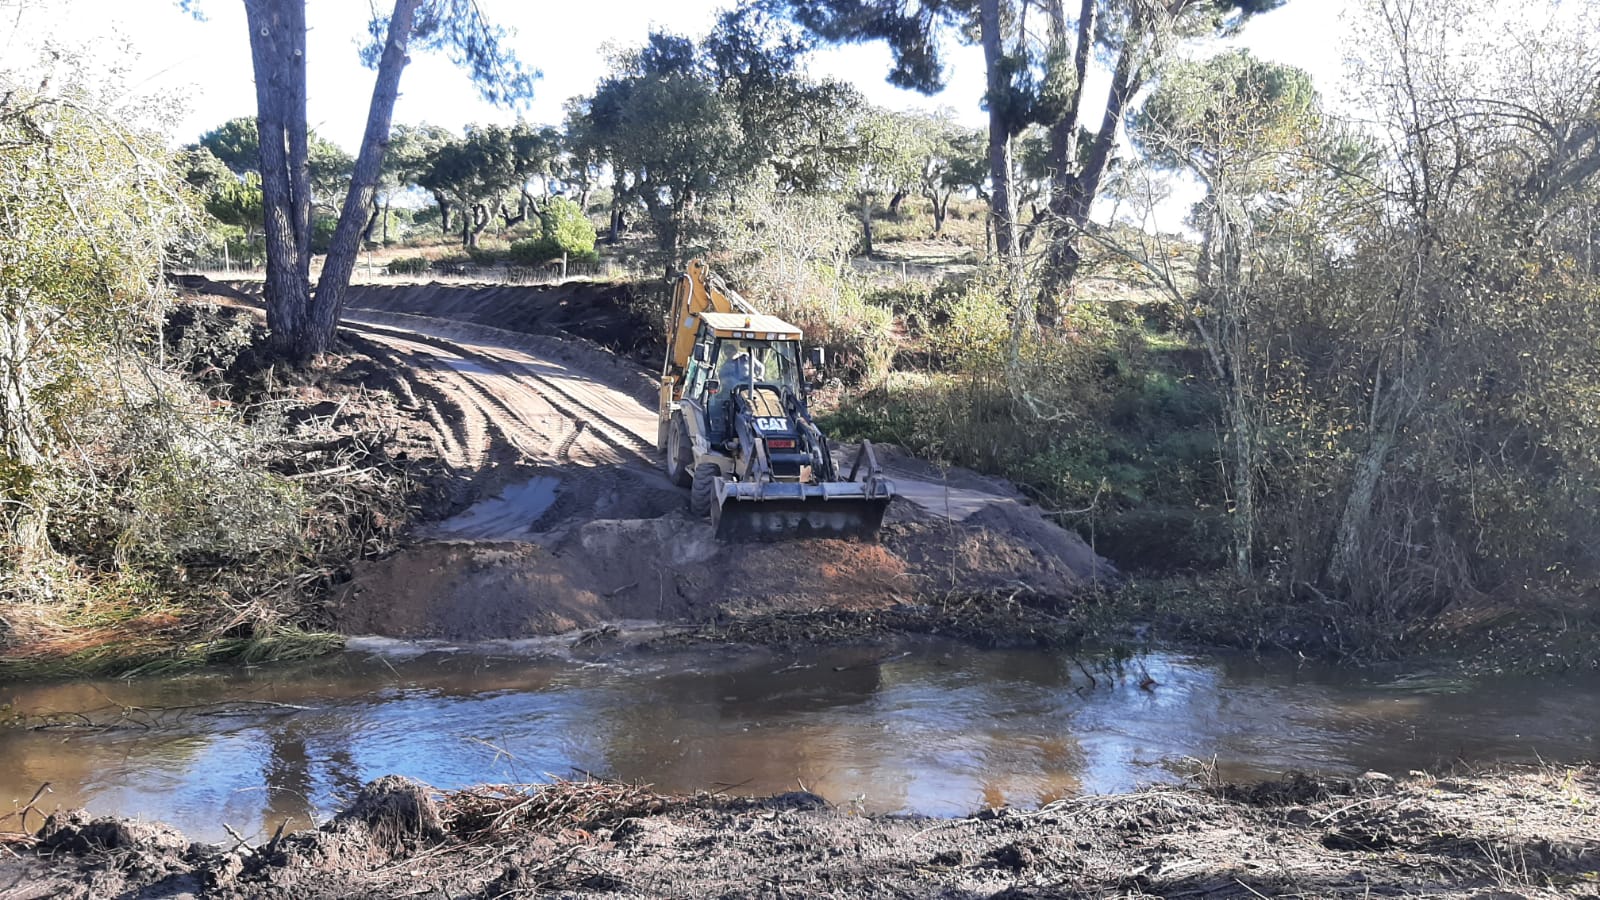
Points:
x=409, y=265
x=562, y=222
x=322, y=228
x=122, y=486
x=1232, y=101
x=687, y=126
x=485, y=169
x=1105, y=425
x=237, y=143
x=563, y=229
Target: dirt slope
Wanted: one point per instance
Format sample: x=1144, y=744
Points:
x=577, y=525
x=596, y=311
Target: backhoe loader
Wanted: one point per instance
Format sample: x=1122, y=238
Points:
x=735, y=428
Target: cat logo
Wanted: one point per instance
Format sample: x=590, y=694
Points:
x=772, y=423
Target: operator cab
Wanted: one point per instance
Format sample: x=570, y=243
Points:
x=749, y=363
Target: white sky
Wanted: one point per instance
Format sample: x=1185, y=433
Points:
x=206, y=65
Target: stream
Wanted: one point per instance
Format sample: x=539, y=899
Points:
x=923, y=727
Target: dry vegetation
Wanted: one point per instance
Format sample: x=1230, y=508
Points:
x=1523, y=833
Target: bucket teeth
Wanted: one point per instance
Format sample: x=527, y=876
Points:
x=782, y=518
x=780, y=511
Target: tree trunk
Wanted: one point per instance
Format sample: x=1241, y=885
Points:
x=1355, y=521
x=1002, y=207
x=895, y=201
x=386, y=220
x=1062, y=254
x=444, y=211
x=524, y=203
x=671, y=238
x=372, y=223
x=866, y=226
x=940, y=208
x=1244, y=491
x=328, y=303
x=616, y=209
x=19, y=440
x=1072, y=195
x=277, y=55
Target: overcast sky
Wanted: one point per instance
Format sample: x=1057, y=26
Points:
x=206, y=65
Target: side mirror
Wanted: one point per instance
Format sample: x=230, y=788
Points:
x=815, y=357
x=713, y=387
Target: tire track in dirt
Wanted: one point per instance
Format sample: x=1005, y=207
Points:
x=577, y=397
x=519, y=429
x=499, y=416
x=463, y=435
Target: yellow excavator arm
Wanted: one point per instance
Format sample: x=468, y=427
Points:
x=695, y=291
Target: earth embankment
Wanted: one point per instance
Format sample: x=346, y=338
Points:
x=575, y=524
x=1520, y=835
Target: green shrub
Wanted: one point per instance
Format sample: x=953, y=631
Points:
x=563, y=229
x=409, y=265
x=322, y=229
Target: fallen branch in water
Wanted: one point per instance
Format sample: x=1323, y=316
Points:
x=23, y=837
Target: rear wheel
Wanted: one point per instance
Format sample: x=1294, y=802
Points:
x=703, y=494
x=678, y=458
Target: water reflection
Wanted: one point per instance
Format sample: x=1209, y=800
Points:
x=934, y=728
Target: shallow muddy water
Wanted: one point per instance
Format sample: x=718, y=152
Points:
x=927, y=727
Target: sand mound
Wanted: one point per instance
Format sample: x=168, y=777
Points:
x=672, y=569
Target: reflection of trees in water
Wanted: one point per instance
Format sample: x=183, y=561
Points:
x=312, y=761
x=767, y=727
x=929, y=731
x=298, y=752
x=996, y=726
x=941, y=728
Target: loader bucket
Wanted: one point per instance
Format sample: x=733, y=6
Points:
x=783, y=511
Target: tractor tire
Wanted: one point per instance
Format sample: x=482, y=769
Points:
x=703, y=494
x=678, y=457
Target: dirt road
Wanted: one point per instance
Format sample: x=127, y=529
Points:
x=573, y=524
x=536, y=403
x=558, y=402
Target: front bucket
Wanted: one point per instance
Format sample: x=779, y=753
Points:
x=780, y=512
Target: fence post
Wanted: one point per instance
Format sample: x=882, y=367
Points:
x=563, y=265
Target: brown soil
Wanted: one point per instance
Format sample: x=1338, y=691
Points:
x=574, y=523
x=1521, y=834
x=612, y=315
x=672, y=569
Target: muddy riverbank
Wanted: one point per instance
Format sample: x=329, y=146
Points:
x=1514, y=834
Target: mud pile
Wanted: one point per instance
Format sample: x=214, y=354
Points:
x=670, y=568
x=1510, y=836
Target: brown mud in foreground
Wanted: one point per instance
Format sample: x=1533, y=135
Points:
x=1516, y=834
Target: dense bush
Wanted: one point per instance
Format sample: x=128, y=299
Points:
x=409, y=265
x=125, y=491
x=563, y=229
